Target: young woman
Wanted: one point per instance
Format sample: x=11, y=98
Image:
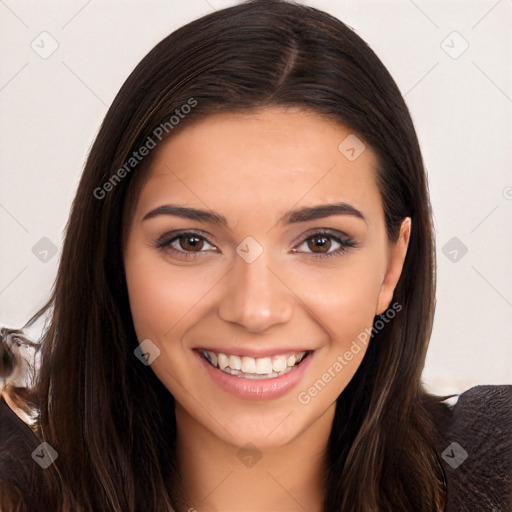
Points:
x=246, y=294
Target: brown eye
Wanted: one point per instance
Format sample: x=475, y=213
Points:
x=319, y=243
x=191, y=243
x=184, y=244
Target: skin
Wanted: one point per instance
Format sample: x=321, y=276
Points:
x=251, y=168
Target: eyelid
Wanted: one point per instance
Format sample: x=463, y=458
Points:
x=334, y=233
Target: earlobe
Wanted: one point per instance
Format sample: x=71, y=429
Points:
x=395, y=266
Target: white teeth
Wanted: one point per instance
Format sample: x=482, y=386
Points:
x=248, y=364
x=223, y=361
x=279, y=363
x=263, y=365
x=235, y=362
x=254, y=368
x=255, y=376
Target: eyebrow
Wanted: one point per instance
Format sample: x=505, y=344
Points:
x=304, y=214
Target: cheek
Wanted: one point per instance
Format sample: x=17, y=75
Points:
x=343, y=297
x=342, y=301
x=160, y=294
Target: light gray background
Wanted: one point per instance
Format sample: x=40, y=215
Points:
x=460, y=100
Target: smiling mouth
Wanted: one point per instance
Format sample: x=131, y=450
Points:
x=254, y=368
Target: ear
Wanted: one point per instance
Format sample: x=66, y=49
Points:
x=398, y=250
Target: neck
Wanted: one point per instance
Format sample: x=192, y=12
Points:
x=217, y=476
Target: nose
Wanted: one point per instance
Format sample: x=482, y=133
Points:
x=255, y=296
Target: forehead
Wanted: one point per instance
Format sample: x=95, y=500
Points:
x=262, y=161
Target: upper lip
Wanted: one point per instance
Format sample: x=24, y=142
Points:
x=255, y=352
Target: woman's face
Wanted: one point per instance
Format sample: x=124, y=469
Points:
x=264, y=274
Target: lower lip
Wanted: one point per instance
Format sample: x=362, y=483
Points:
x=256, y=389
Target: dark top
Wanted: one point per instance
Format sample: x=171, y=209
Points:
x=475, y=451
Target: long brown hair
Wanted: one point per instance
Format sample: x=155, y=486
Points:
x=108, y=416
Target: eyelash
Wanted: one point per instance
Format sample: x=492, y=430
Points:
x=165, y=241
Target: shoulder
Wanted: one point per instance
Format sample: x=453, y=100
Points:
x=21, y=479
x=476, y=450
